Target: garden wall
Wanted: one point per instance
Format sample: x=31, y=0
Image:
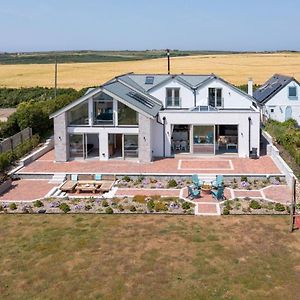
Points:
x=280, y=163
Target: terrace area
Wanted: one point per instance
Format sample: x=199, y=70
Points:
x=224, y=165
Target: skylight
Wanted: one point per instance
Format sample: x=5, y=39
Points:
x=140, y=99
x=149, y=80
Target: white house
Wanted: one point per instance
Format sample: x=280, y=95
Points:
x=279, y=98
x=143, y=116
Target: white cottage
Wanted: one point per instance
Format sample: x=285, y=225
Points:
x=279, y=98
x=144, y=116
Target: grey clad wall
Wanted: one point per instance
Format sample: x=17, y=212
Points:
x=145, y=139
x=61, y=138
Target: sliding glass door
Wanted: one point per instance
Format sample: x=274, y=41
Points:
x=204, y=139
x=84, y=145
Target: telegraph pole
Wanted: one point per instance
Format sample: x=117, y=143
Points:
x=55, y=78
x=168, y=56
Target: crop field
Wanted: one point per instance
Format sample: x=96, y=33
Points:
x=148, y=257
x=236, y=68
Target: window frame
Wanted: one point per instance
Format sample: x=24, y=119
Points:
x=294, y=97
x=172, y=97
x=216, y=99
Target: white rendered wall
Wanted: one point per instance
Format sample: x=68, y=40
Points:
x=232, y=98
x=211, y=118
x=279, y=103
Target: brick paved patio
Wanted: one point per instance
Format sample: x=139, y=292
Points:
x=199, y=165
x=27, y=190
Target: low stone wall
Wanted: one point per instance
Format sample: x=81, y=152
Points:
x=12, y=142
x=49, y=145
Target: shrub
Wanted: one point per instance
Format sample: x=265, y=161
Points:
x=13, y=206
x=227, y=204
x=150, y=204
x=172, y=183
x=120, y=207
x=132, y=208
x=279, y=207
x=109, y=210
x=126, y=178
x=139, y=198
x=38, y=203
x=244, y=178
x=254, y=204
x=87, y=207
x=64, y=207
x=140, y=179
x=186, y=205
x=160, y=206
x=226, y=211
x=1, y=208
x=104, y=203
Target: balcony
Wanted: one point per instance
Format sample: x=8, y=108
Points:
x=173, y=102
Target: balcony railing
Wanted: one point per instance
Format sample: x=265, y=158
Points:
x=173, y=102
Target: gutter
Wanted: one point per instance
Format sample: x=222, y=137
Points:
x=164, y=131
x=249, y=119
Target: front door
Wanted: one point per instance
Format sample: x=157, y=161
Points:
x=288, y=113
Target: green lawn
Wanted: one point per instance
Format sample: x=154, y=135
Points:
x=148, y=257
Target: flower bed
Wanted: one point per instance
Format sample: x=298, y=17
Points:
x=252, y=206
x=151, y=182
x=245, y=183
x=136, y=204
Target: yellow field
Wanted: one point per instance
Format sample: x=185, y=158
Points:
x=236, y=68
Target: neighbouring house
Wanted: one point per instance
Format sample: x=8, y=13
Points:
x=279, y=98
x=144, y=116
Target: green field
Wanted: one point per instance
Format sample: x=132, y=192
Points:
x=148, y=257
x=93, y=56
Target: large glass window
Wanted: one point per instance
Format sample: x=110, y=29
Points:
x=126, y=115
x=76, y=145
x=103, y=112
x=215, y=97
x=131, y=148
x=203, y=139
x=79, y=115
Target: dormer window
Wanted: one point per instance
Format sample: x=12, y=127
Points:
x=172, y=97
x=293, y=93
x=215, y=97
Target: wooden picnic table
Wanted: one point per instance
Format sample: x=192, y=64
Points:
x=87, y=187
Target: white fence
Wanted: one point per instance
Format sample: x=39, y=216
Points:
x=280, y=163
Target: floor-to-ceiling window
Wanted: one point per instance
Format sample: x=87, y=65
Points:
x=79, y=115
x=103, y=110
x=203, y=139
x=76, y=145
x=131, y=145
x=126, y=115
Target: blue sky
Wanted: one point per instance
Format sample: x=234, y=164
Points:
x=34, y=25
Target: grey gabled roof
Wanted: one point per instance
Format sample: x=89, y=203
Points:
x=132, y=90
x=139, y=80
x=271, y=87
x=131, y=96
x=134, y=98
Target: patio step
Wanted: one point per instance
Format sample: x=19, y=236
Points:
x=58, y=178
x=207, y=209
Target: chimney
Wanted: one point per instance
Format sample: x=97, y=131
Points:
x=250, y=87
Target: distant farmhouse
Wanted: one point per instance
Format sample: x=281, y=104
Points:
x=279, y=98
